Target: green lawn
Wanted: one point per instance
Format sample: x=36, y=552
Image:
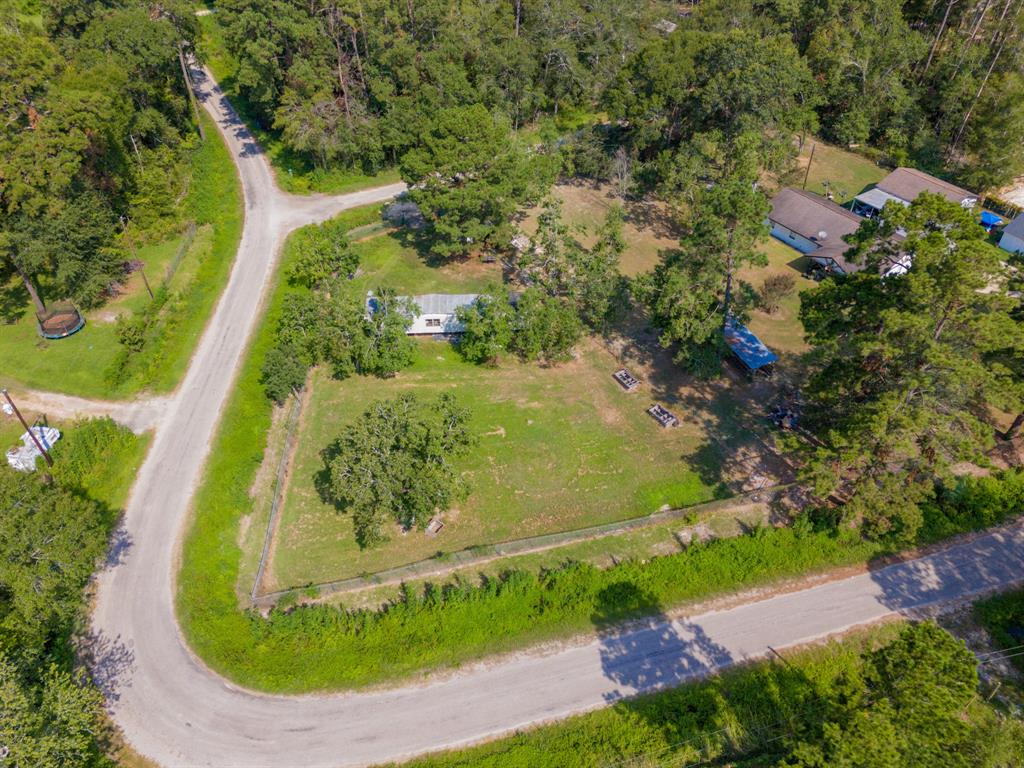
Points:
x=782, y=331
x=559, y=449
x=387, y=260
x=294, y=172
x=846, y=174
x=80, y=364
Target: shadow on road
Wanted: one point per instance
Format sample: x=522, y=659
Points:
x=654, y=654
x=110, y=663
x=986, y=563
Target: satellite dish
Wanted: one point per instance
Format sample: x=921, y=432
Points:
x=822, y=235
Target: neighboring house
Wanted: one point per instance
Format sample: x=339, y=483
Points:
x=437, y=312
x=903, y=186
x=814, y=226
x=1013, y=236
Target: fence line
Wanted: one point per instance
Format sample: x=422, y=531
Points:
x=480, y=554
x=186, y=243
x=275, y=502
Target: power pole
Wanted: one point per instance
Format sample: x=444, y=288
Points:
x=191, y=91
x=39, y=445
x=810, y=160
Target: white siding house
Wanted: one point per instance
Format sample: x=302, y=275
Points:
x=813, y=225
x=1013, y=236
x=435, y=312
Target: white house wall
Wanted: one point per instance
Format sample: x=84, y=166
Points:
x=448, y=324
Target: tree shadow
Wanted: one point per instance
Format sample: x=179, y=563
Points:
x=14, y=302
x=110, y=662
x=655, y=653
x=704, y=710
x=982, y=564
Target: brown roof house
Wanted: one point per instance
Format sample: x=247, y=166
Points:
x=903, y=186
x=814, y=226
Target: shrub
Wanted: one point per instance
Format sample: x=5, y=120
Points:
x=774, y=289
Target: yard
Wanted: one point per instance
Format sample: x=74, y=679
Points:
x=843, y=173
x=648, y=227
x=781, y=331
x=81, y=364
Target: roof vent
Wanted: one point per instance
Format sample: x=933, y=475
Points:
x=822, y=234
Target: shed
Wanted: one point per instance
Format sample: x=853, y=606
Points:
x=749, y=350
x=815, y=226
x=1012, y=239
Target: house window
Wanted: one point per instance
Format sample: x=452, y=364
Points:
x=433, y=322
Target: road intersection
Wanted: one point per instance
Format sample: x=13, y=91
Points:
x=174, y=710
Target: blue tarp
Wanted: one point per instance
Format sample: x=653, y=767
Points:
x=746, y=346
x=989, y=220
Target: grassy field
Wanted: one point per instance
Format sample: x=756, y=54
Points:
x=648, y=227
x=79, y=364
x=559, y=449
x=782, y=331
x=294, y=172
x=846, y=174
x=389, y=260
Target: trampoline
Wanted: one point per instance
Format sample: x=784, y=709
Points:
x=60, y=321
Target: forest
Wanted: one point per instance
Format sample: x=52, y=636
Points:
x=356, y=82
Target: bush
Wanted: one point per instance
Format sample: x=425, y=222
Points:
x=283, y=372
x=774, y=289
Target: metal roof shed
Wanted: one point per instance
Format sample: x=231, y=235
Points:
x=748, y=349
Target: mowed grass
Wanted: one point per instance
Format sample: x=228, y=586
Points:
x=294, y=172
x=78, y=364
x=782, y=330
x=846, y=174
x=558, y=449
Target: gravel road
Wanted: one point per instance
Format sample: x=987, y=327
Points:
x=175, y=711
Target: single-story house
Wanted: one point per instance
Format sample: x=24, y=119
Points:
x=437, y=312
x=903, y=186
x=815, y=226
x=1012, y=239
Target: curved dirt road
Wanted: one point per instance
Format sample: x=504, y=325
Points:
x=178, y=713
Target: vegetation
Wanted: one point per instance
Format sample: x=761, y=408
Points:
x=319, y=647
x=468, y=177
x=903, y=367
x=556, y=448
x=893, y=697
x=52, y=536
x=396, y=463
x=1003, y=617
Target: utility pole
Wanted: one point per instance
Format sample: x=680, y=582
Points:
x=131, y=246
x=191, y=91
x=39, y=445
x=809, y=161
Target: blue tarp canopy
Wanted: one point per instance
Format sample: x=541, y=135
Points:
x=989, y=220
x=746, y=346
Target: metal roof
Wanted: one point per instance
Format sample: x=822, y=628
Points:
x=877, y=198
x=443, y=303
x=908, y=183
x=746, y=346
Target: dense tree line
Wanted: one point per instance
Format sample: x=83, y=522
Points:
x=52, y=535
x=95, y=115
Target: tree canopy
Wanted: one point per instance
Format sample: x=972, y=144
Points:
x=905, y=367
x=395, y=464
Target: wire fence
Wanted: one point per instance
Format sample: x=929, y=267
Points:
x=278, y=491
x=187, y=237
x=451, y=561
